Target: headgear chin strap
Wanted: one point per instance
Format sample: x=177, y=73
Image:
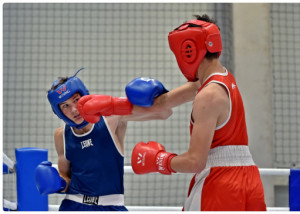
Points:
x=190, y=43
x=62, y=93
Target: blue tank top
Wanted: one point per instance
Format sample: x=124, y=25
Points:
x=97, y=167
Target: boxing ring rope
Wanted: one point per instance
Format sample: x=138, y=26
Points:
x=15, y=168
x=158, y=208
x=9, y=163
x=8, y=167
x=10, y=205
x=263, y=172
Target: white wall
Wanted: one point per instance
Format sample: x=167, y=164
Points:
x=253, y=76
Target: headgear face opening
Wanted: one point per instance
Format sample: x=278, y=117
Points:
x=190, y=43
x=62, y=93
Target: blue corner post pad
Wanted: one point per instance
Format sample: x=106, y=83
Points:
x=28, y=196
x=294, y=190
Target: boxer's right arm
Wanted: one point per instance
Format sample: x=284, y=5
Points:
x=143, y=90
x=64, y=166
x=153, y=102
x=178, y=96
x=147, y=92
x=47, y=179
x=163, y=104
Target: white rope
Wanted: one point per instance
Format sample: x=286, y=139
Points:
x=278, y=209
x=9, y=205
x=262, y=171
x=278, y=172
x=8, y=162
x=153, y=208
x=53, y=207
x=128, y=170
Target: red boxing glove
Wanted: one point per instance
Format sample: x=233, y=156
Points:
x=151, y=157
x=92, y=107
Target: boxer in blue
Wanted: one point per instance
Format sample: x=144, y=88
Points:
x=91, y=149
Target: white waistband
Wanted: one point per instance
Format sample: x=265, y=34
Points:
x=106, y=200
x=229, y=156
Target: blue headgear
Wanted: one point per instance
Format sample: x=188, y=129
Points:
x=62, y=93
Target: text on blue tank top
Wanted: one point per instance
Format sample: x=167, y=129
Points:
x=97, y=167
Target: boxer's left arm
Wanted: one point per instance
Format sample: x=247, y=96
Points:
x=151, y=157
x=208, y=107
x=209, y=111
x=147, y=100
x=140, y=92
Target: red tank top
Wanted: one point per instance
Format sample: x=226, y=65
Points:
x=233, y=131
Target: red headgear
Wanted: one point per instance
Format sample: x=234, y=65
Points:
x=191, y=41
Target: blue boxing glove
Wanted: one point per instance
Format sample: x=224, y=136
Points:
x=47, y=179
x=142, y=90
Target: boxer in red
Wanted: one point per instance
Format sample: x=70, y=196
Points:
x=226, y=177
